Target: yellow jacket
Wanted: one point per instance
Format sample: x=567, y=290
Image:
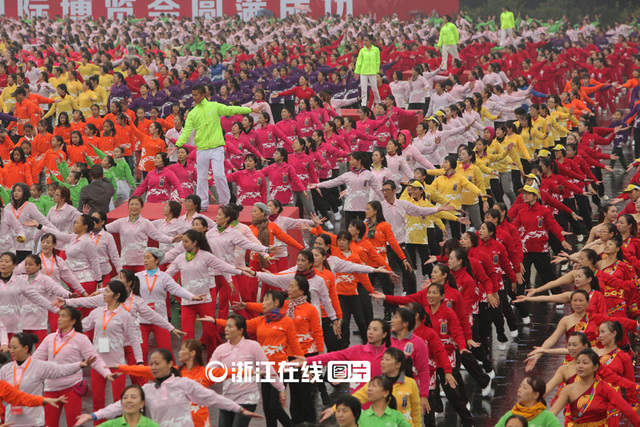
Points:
x=504, y=164
x=487, y=117
x=9, y=100
x=85, y=100
x=55, y=81
x=533, y=138
x=106, y=82
x=103, y=97
x=407, y=395
x=486, y=163
x=558, y=127
x=417, y=225
x=67, y=105
x=453, y=185
x=74, y=88
x=518, y=145
x=88, y=70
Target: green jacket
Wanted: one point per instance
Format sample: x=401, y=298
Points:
x=205, y=119
x=448, y=35
x=368, y=62
x=543, y=419
x=507, y=21
x=390, y=418
x=63, y=168
x=44, y=203
x=121, y=171
x=121, y=422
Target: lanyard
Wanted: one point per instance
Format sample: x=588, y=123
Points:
x=105, y=322
x=57, y=350
x=44, y=264
x=98, y=239
x=17, y=215
x=153, y=285
x=130, y=304
x=17, y=383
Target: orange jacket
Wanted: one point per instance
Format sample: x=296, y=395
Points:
x=26, y=112
x=384, y=236
x=14, y=173
x=64, y=132
x=275, y=231
x=40, y=144
x=79, y=126
x=98, y=122
x=49, y=160
x=15, y=397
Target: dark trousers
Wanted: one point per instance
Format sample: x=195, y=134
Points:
x=485, y=314
x=496, y=190
x=618, y=151
x=456, y=396
x=505, y=305
x=367, y=306
x=636, y=142
x=232, y=419
x=516, y=179
x=584, y=210
x=351, y=305
x=413, y=250
x=384, y=281
x=273, y=410
x=331, y=195
x=351, y=215
x=408, y=277
x=542, y=261
x=330, y=338
x=303, y=400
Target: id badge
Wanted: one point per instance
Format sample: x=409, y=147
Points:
x=16, y=410
x=103, y=345
x=152, y=305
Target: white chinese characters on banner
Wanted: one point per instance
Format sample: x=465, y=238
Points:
x=76, y=9
x=291, y=7
x=167, y=7
x=119, y=9
x=33, y=8
x=207, y=8
x=343, y=7
x=247, y=9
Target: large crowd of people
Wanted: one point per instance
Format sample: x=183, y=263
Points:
x=489, y=203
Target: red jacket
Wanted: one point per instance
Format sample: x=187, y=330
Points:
x=447, y=326
x=534, y=223
x=483, y=267
x=499, y=259
x=438, y=357
x=470, y=292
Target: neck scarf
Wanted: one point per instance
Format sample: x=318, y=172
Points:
x=221, y=229
x=6, y=279
x=371, y=232
x=263, y=236
x=307, y=275
x=528, y=413
x=273, y=315
x=358, y=171
x=152, y=272
x=159, y=381
x=234, y=223
x=293, y=303
x=190, y=255
x=272, y=218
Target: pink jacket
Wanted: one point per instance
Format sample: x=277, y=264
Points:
x=31, y=380
x=339, y=143
x=186, y=223
x=171, y=229
x=224, y=245
x=23, y=214
x=239, y=254
x=134, y=238
x=321, y=164
x=56, y=268
x=63, y=220
x=238, y=148
x=381, y=175
x=358, y=185
x=395, y=214
x=250, y=354
x=413, y=156
x=34, y=316
x=70, y=348
x=14, y=294
x=252, y=186
x=81, y=255
x=331, y=154
x=159, y=186
x=365, y=352
x=358, y=140
x=195, y=274
x=10, y=229
x=119, y=328
x=266, y=139
x=303, y=166
x=307, y=123
x=413, y=346
x=385, y=130
x=286, y=223
x=282, y=180
x=170, y=404
x=107, y=251
x=154, y=289
x=398, y=167
x=291, y=129
x=187, y=176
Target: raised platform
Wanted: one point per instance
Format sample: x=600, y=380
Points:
x=153, y=211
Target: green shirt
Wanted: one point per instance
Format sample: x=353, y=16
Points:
x=120, y=422
x=44, y=203
x=368, y=62
x=390, y=418
x=507, y=21
x=448, y=35
x=205, y=119
x=544, y=419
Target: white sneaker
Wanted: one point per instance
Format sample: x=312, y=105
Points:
x=469, y=407
x=502, y=346
x=526, y=320
x=514, y=334
x=492, y=374
x=328, y=225
x=485, y=392
x=559, y=307
x=337, y=216
x=442, y=394
x=580, y=238
x=605, y=197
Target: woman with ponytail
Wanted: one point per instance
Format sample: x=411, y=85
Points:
x=383, y=405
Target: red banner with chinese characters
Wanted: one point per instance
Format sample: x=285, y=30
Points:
x=247, y=9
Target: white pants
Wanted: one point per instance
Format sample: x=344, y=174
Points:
x=450, y=49
x=213, y=157
x=503, y=35
x=365, y=80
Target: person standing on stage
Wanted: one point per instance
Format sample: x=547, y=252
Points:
x=448, y=40
x=507, y=24
x=205, y=120
x=368, y=67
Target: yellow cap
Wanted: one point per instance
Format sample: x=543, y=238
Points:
x=530, y=189
x=439, y=113
x=416, y=184
x=430, y=118
x=558, y=147
x=531, y=175
x=631, y=187
x=544, y=153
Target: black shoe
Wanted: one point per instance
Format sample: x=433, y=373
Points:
x=387, y=316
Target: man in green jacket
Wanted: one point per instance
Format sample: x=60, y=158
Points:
x=368, y=67
x=507, y=24
x=204, y=118
x=448, y=40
